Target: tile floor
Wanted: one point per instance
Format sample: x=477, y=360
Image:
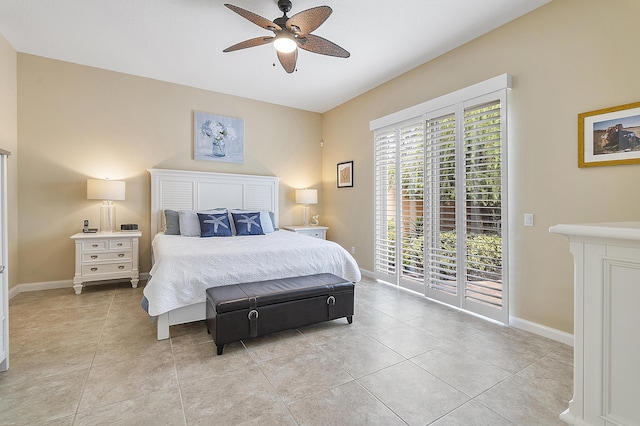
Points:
x=93, y=359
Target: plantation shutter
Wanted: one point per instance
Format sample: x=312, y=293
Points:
x=441, y=198
x=411, y=152
x=483, y=161
x=385, y=204
x=441, y=253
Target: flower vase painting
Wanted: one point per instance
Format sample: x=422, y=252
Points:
x=218, y=138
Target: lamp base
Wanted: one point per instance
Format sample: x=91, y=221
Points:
x=107, y=216
x=306, y=214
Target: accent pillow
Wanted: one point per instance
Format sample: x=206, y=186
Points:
x=266, y=219
x=247, y=223
x=189, y=222
x=171, y=222
x=214, y=225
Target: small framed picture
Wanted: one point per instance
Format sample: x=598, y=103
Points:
x=609, y=136
x=345, y=174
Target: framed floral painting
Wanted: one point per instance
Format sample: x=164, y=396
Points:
x=218, y=138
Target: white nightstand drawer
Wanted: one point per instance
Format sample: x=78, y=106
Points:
x=106, y=256
x=316, y=234
x=94, y=245
x=107, y=268
x=311, y=231
x=116, y=245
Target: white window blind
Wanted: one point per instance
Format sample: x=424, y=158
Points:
x=440, y=202
x=385, y=204
x=483, y=203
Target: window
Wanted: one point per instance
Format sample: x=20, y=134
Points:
x=441, y=199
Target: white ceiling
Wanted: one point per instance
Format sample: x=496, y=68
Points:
x=181, y=41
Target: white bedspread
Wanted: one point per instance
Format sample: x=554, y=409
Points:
x=185, y=267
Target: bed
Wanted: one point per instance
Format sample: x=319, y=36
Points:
x=184, y=267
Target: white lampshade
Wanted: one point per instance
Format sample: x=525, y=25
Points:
x=104, y=189
x=306, y=196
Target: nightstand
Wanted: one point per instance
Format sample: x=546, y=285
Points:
x=312, y=231
x=106, y=256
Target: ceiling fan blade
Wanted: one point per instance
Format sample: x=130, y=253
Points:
x=308, y=20
x=315, y=44
x=288, y=60
x=256, y=19
x=258, y=41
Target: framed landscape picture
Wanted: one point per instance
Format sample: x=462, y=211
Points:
x=345, y=174
x=218, y=138
x=609, y=136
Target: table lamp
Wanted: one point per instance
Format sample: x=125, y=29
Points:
x=306, y=197
x=107, y=191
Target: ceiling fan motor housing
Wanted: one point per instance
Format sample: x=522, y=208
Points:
x=284, y=6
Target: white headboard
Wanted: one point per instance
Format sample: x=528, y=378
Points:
x=187, y=190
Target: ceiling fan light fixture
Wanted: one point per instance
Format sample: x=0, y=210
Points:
x=284, y=44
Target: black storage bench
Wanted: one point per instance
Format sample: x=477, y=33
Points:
x=240, y=311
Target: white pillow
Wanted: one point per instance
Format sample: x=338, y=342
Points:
x=189, y=222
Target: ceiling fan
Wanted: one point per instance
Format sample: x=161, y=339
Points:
x=290, y=33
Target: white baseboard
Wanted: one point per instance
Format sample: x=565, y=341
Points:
x=542, y=330
x=50, y=285
x=367, y=274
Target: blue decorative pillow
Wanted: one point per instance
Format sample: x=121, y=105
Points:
x=214, y=225
x=247, y=223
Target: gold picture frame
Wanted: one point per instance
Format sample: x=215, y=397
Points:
x=609, y=136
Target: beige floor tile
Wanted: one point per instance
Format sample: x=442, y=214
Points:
x=318, y=333
x=157, y=408
x=412, y=393
x=522, y=403
x=472, y=414
x=41, y=400
x=120, y=348
x=289, y=342
x=276, y=415
x=359, y=354
x=196, y=334
x=403, y=309
x=551, y=375
x=468, y=374
x=347, y=404
x=367, y=318
x=34, y=362
x=197, y=362
x=119, y=381
x=52, y=334
x=233, y=397
x=408, y=341
x=511, y=356
x=299, y=375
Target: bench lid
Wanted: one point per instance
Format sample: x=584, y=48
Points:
x=235, y=297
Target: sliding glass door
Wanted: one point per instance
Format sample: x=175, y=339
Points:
x=441, y=205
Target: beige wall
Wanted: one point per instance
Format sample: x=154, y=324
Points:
x=568, y=57
x=9, y=142
x=77, y=122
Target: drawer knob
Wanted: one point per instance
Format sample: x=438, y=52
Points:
x=119, y=244
x=121, y=267
x=120, y=254
x=94, y=245
x=94, y=269
x=94, y=256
